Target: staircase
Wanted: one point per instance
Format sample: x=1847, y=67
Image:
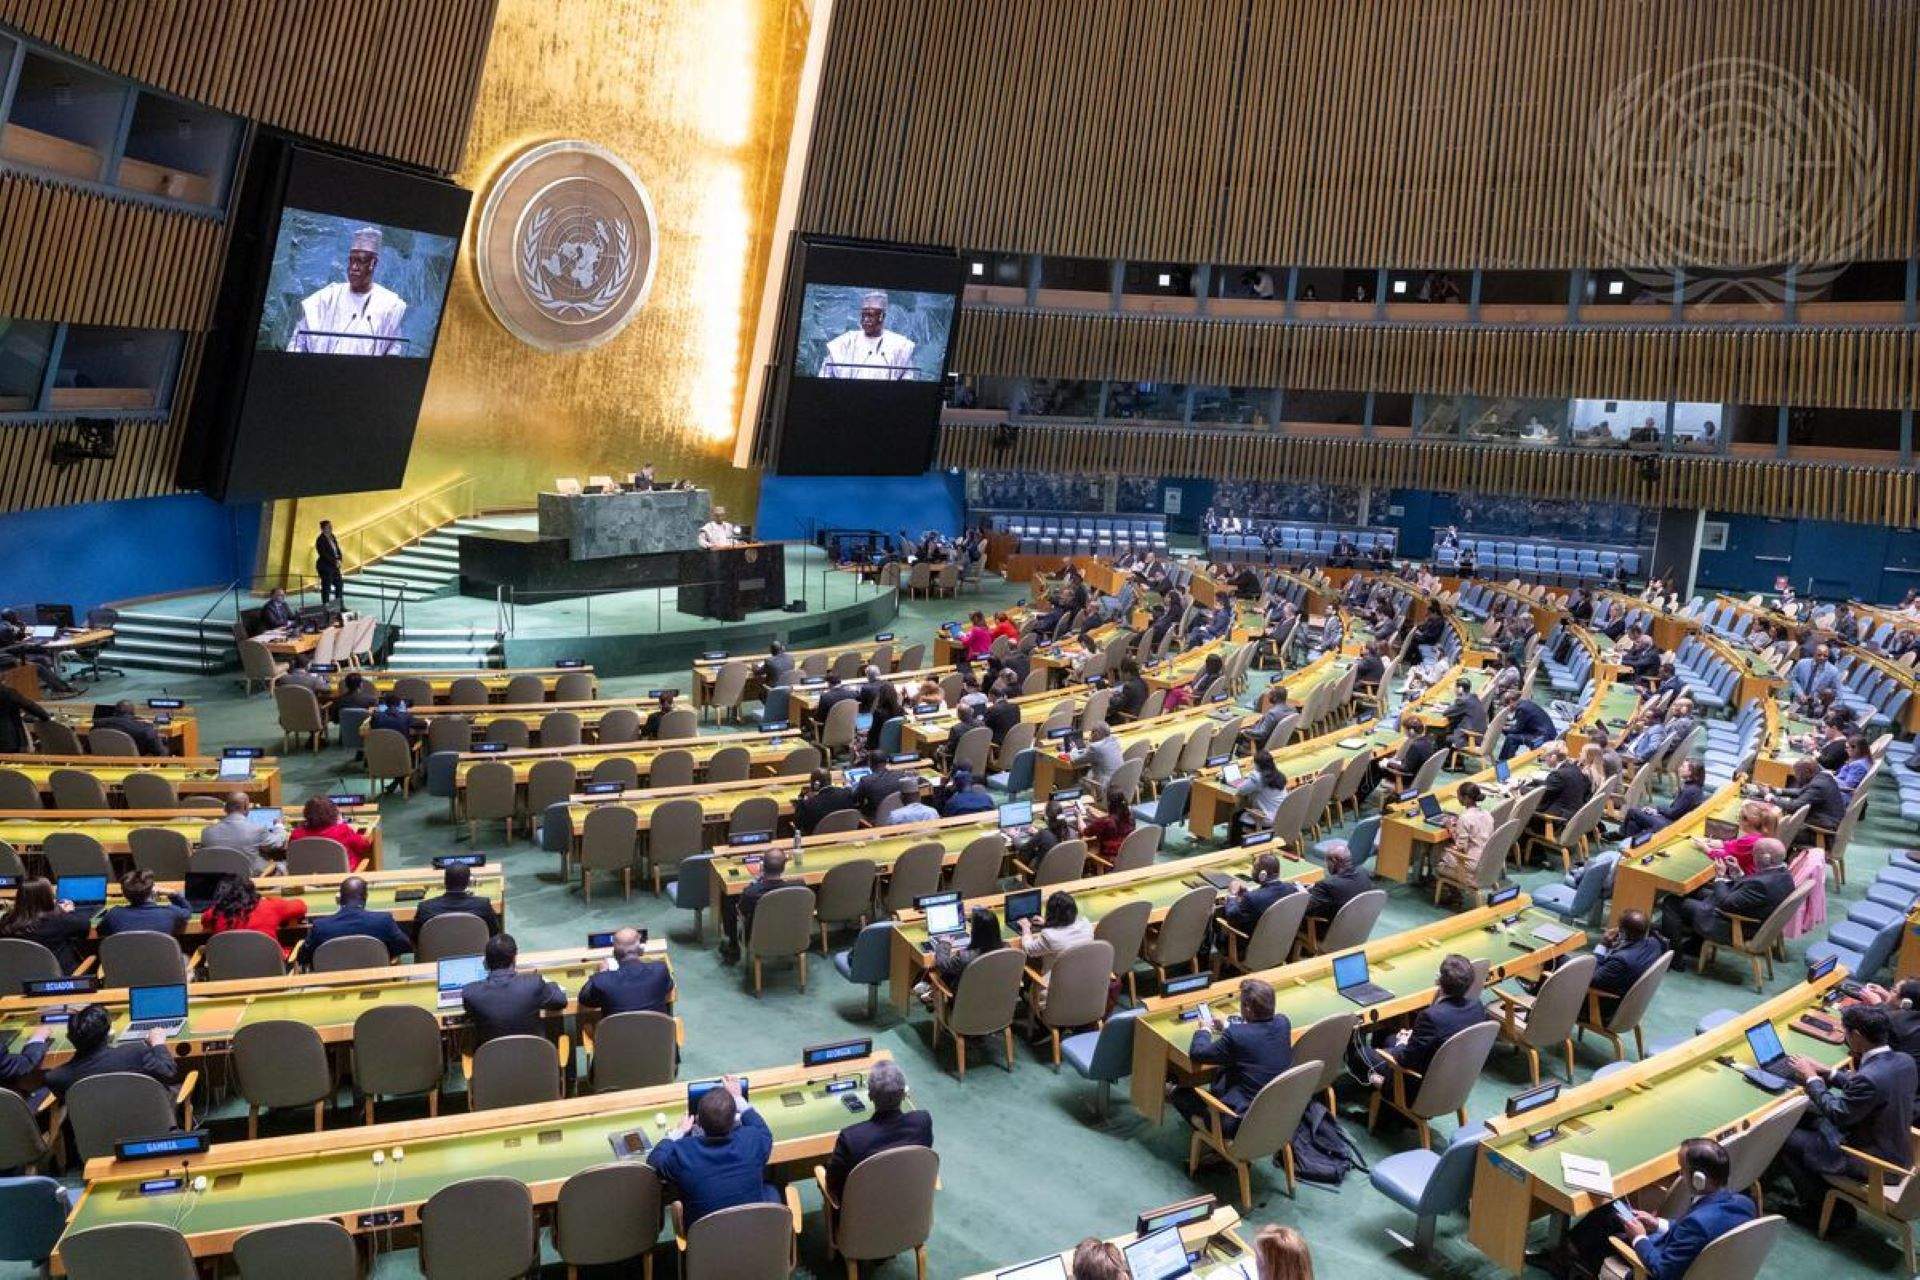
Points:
x=416, y=571
x=456, y=648
x=147, y=641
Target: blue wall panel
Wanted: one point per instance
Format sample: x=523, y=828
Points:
x=84, y=555
x=793, y=507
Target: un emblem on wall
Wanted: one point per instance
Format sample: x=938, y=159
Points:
x=566, y=248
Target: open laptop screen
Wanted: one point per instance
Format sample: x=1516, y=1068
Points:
x=151, y=1004
x=1350, y=970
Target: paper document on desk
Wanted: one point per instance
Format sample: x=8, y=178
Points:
x=1587, y=1174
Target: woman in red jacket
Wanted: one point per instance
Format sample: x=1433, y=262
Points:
x=320, y=819
x=240, y=906
x=1106, y=833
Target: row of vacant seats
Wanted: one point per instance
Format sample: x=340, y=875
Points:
x=1078, y=535
x=1876, y=696
x=1899, y=754
x=165, y=851
x=1605, y=609
x=1733, y=745
x=1294, y=543
x=1711, y=679
x=1867, y=939
x=87, y=789
x=57, y=739
x=1724, y=618
x=1541, y=559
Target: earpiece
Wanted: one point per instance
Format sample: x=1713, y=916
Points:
x=1698, y=1181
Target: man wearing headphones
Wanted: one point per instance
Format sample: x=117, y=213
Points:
x=1668, y=1248
x=1903, y=1013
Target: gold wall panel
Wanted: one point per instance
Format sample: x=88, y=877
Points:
x=1819, y=491
x=696, y=96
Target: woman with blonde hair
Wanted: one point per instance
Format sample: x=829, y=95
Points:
x=1593, y=763
x=1281, y=1253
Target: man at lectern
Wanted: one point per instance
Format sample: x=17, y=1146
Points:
x=873, y=352
x=643, y=480
x=717, y=532
x=354, y=317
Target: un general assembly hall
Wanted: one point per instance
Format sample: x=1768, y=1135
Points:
x=959, y=640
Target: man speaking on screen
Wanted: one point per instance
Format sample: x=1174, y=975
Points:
x=873, y=352
x=355, y=317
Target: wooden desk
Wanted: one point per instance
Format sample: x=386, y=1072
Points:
x=329, y=1175
x=27, y=829
x=1906, y=962
x=496, y=679
x=1161, y=885
x=327, y=1002
x=732, y=873
x=1213, y=1238
x=707, y=670
x=1052, y=771
x=1671, y=862
x=1404, y=963
x=1635, y=1120
x=768, y=751
x=190, y=775
x=1212, y=800
x=181, y=733
x=23, y=678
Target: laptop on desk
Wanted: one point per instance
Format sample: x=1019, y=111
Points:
x=43, y=633
x=1023, y=905
x=945, y=918
x=87, y=893
x=1774, y=1072
x=164, y=1007
x=1159, y=1255
x=451, y=976
x=1016, y=819
x=1231, y=774
x=1352, y=979
x=202, y=887
x=236, y=768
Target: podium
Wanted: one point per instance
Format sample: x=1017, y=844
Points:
x=727, y=583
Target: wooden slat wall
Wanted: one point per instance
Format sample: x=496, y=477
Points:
x=1403, y=133
x=88, y=258
x=1876, y=368
x=392, y=77
x=1860, y=495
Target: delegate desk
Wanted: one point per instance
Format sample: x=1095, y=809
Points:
x=27, y=829
x=1671, y=862
x=1053, y=770
x=767, y=752
x=734, y=865
x=1160, y=885
x=564, y=825
x=181, y=732
x=804, y=695
x=1906, y=963
x=947, y=647
x=1666, y=627
x=1406, y=964
x=1759, y=679
x=353, y=719
x=1407, y=839
x=1214, y=1249
x=327, y=1002
x=871, y=653
x=1634, y=1120
x=922, y=733
x=332, y=1175
x=496, y=679
x=1212, y=800
x=1182, y=667
x=190, y=775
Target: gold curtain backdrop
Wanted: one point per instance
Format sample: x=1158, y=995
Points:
x=698, y=100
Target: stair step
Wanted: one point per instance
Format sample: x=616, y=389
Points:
x=167, y=622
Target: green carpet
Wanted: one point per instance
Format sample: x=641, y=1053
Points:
x=1025, y=1170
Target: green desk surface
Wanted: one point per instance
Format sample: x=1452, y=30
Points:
x=112, y=773
x=345, y=1183
x=761, y=749
x=31, y=833
x=882, y=848
x=320, y=1008
x=1304, y=759
x=1403, y=971
x=713, y=804
x=1169, y=884
x=1636, y=1126
x=1678, y=861
x=1449, y=796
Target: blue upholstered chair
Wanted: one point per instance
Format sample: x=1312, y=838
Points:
x=1430, y=1184
x=866, y=961
x=1104, y=1056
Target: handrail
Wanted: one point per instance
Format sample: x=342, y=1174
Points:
x=381, y=535
x=390, y=609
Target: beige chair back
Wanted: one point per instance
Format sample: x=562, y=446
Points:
x=633, y=1051
x=729, y=764
x=746, y=1240
x=550, y=782
x=491, y=791
x=1325, y=1042
x=1767, y=936
x=679, y=724
x=624, y=770
x=915, y=874
x=1752, y=1150
x=511, y=1071
x=509, y=731
x=354, y=951
x=886, y=1206
x=1634, y=1004
x=526, y=688
x=398, y=1051
x=280, y=1063
x=315, y=856
x=988, y=993
x=976, y=873
x=450, y=934
x=1065, y=861
x=846, y=891
x=607, y=838
x=755, y=813
x=24, y=960
x=449, y=733
x=141, y=958
x=75, y=853
x=838, y=822
x=730, y=684
x=1454, y=1068
x=783, y=923
x=105, y=1108
x=299, y=711
x=388, y=755
x=147, y=1250
x=242, y=953
x=608, y=1214
x=1125, y=929
x=1274, y=933
x=318, y=1249
x=417, y=691
x=674, y=833
x=670, y=768
x=145, y=789
x=1184, y=927
x=621, y=724
x=1290, y=815
x=1270, y=1119
x=1353, y=923
x=480, y=1229
x=1740, y=1254
x=213, y=857
x=1141, y=846
x=468, y=691
x=76, y=789
x=1558, y=1002
x=574, y=686
x=841, y=724
x=1077, y=986
x=18, y=791
x=117, y=742
x=972, y=751
x=560, y=729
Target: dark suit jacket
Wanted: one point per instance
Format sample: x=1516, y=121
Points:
x=1688, y=798
x=1128, y=698
x=893, y=1128
x=155, y=917
x=350, y=922
x=275, y=613
x=1326, y=896
x=137, y=1058
x=1619, y=970
x=776, y=670
x=757, y=888
x=1565, y=791
x=1753, y=897
x=1414, y=752
x=876, y=787
x=1434, y=1026
x=15, y=709
x=831, y=697
x=509, y=1003
x=1906, y=1032
x=1368, y=670
x=1826, y=803
x=1871, y=1106
x=808, y=809
x=1669, y=1254
x=712, y=1174
x=144, y=735
x=1000, y=717
x=637, y=986
x=326, y=550
x=1244, y=912
x=1832, y=755
x=453, y=903
x=1249, y=1055
x=1530, y=723
x=18, y=1066
x=1467, y=713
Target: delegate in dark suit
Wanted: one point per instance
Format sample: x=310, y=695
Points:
x=634, y=986
x=1326, y=896
x=715, y=1173
x=1753, y=897
x=146, y=738
x=1620, y=968
x=1243, y=910
x=1669, y=1253
x=1528, y=726
x=889, y=1128
x=508, y=1003
x=1446, y=1017
x=455, y=902
x=326, y=563
x=15, y=710
x=18, y=1066
x=1647, y=819
x=142, y=1059
x=1825, y=803
x=1564, y=791
x=1466, y=718
x=1249, y=1054
x=1002, y=716
x=356, y=921
x=1869, y=1107
x=1399, y=769
x=877, y=786
x=814, y=805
